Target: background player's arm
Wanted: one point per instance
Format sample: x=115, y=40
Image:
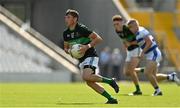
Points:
x=148, y=44
x=127, y=44
x=134, y=43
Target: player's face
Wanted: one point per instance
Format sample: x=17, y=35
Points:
x=70, y=20
x=133, y=27
x=118, y=25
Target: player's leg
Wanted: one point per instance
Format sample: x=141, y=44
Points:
x=90, y=65
x=131, y=63
x=139, y=69
x=91, y=79
x=88, y=68
x=90, y=76
x=169, y=77
x=99, y=89
x=162, y=77
x=129, y=70
x=150, y=72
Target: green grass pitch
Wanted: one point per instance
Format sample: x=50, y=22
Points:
x=80, y=95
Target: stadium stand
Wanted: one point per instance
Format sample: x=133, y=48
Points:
x=17, y=56
x=162, y=23
x=25, y=54
x=178, y=5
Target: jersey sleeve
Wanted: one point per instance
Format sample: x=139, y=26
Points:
x=64, y=36
x=145, y=33
x=85, y=31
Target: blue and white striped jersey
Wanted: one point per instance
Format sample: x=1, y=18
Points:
x=140, y=37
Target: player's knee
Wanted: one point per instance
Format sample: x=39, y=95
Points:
x=126, y=73
x=89, y=83
x=147, y=73
x=85, y=77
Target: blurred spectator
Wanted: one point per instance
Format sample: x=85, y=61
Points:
x=105, y=57
x=116, y=60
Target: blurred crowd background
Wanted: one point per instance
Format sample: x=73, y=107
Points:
x=111, y=63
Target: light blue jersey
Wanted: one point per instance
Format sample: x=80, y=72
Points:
x=140, y=37
x=153, y=53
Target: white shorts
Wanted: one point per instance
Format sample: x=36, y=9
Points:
x=154, y=55
x=91, y=61
x=133, y=53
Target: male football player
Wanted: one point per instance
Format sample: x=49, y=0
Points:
x=133, y=50
x=77, y=33
x=152, y=54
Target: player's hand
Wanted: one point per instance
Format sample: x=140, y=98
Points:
x=83, y=49
x=67, y=50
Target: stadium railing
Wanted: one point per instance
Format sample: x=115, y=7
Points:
x=38, y=40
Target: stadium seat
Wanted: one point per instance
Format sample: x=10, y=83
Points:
x=146, y=22
x=18, y=56
x=162, y=22
x=178, y=5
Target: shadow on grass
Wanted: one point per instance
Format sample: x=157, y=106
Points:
x=134, y=95
x=78, y=103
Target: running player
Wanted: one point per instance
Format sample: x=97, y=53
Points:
x=133, y=51
x=77, y=33
x=152, y=54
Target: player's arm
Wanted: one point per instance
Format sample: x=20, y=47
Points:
x=66, y=47
x=146, y=35
x=130, y=43
x=134, y=43
x=148, y=44
x=95, y=39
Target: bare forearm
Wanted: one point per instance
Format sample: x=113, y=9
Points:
x=66, y=47
x=95, y=42
x=66, y=50
x=95, y=39
x=148, y=45
x=127, y=44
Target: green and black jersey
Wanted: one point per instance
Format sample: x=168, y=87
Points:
x=127, y=36
x=80, y=35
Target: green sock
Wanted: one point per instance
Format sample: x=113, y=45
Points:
x=106, y=95
x=106, y=80
x=142, y=69
x=138, y=88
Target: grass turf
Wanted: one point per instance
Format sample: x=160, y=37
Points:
x=80, y=95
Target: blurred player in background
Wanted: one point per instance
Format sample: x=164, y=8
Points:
x=133, y=50
x=152, y=54
x=104, y=63
x=77, y=33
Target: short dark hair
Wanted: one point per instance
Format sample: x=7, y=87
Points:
x=117, y=18
x=73, y=13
